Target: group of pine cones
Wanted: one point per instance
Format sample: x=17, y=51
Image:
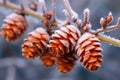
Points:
x=63, y=48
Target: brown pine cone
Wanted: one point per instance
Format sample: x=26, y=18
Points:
x=13, y=27
x=89, y=51
x=35, y=44
x=48, y=59
x=66, y=62
x=64, y=40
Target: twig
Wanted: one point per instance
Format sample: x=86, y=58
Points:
x=43, y=6
x=117, y=26
x=25, y=11
x=69, y=9
x=67, y=16
x=109, y=40
x=54, y=10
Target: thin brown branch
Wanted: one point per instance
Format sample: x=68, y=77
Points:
x=25, y=11
x=117, y=26
x=107, y=29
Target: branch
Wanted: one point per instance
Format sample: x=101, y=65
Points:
x=39, y=16
x=101, y=37
x=109, y=39
x=25, y=11
x=117, y=26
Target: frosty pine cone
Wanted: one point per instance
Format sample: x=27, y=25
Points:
x=35, y=44
x=47, y=58
x=66, y=62
x=13, y=27
x=64, y=40
x=89, y=51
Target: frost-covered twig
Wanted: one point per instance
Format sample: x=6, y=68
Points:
x=67, y=16
x=69, y=9
x=43, y=6
x=25, y=11
x=109, y=28
x=54, y=9
x=109, y=39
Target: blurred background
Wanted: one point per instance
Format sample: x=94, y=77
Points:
x=13, y=66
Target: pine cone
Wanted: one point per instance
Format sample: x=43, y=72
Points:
x=48, y=59
x=66, y=62
x=89, y=51
x=64, y=40
x=13, y=27
x=35, y=44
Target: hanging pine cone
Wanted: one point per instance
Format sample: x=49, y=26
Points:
x=47, y=58
x=64, y=40
x=13, y=27
x=35, y=44
x=66, y=62
x=89, y=51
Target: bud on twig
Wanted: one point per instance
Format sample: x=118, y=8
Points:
x=33, y=5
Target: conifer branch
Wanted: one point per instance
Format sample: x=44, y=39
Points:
x=25, y=11
x=39, y=16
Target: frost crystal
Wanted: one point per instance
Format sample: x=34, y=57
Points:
x=111, y=38
x=110, y=14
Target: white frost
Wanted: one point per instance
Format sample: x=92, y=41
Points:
x=65, y=43
x=65, y=29
x=61, y=33
x=37, y=35
x=84, y=37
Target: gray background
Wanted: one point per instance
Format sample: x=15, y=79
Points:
x=13, y=66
